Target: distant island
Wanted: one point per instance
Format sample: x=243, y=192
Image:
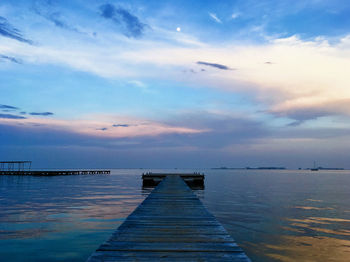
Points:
x=255, y=168
x=272, y=168
x=326, y=168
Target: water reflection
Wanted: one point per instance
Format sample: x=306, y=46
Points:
x=273, y=215
x=284, y=215
x=79, y=210
x=305, y=248
x=333, y=226
x=314, y=208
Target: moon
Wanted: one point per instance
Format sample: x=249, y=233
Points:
x=178, y=29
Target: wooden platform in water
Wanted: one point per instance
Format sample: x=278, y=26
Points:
x=193, y=180
x=171, y=224
x=55, y=173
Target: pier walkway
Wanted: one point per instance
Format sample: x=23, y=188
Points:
x=171, y=224
x=193, y=180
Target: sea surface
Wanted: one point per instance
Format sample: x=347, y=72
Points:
x=274, y=215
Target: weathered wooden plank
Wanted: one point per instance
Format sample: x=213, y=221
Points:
x=174, y=231
x=175, y=238
x=167, y=256
x=170, y=246
x=171, y=224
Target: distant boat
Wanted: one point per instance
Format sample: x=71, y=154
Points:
x=314, y=168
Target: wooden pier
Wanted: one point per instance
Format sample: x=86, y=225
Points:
x=22, y=168
x=193, y=180
x=54, y=173
x=171, y=224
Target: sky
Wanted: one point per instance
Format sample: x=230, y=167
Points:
x=165, y=84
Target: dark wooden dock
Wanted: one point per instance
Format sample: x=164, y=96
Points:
x=171, y=224
x=193, y=180
x=54, y=173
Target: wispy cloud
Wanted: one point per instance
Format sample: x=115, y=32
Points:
x=92, y=127
x=296, y=123
x=121, y=125
x=46, y=10
x=41, y=113
x=7, y=30
x=218, y=66
x=130, y=23
x=11, y=59
x=10, y=116
x=215, y=18
x=8, y=107
x=58, y=21
x=235, y=15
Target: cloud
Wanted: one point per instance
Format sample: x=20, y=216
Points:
x=215, y=18
x=56, y=18
x=41, y=114
x=11, y=59
x=7, y=30
x=235, y=15
x=108, y=11
x=308, y=78
x=40, y=135
x=201, y=130
x=44, y=10
x=191, y=70
x=305, y=73
x=8, y=107
x=302, y=114
x=233, y=141
x=10, y=116
x=92, y=127
x=313, y=111
x=223, y=128
x=219, y=66
x=130, y=23
x=296, y=123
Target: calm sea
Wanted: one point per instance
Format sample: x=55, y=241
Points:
x=273, y=215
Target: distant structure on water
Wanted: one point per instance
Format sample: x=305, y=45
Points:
x=254, y=168
x=23, y=168
x=315, y=168
x=15, y=165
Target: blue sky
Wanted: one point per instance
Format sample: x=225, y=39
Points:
x=175, y=84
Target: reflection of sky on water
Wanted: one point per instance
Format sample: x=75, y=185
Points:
x=274, y=215
x=284, y=215
x=63, y=218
